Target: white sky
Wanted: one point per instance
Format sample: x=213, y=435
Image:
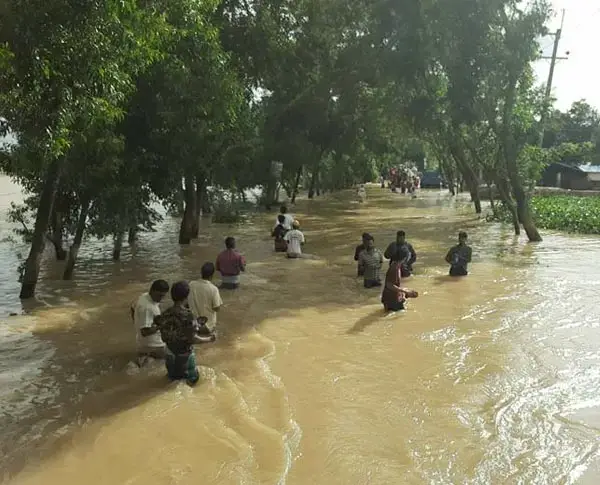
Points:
x=579, y=77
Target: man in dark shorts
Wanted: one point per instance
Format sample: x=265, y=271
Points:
x=179, y=331
x=459, y=256
x=359, y=249
x=401, y=242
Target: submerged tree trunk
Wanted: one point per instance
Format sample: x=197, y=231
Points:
x=32, y=264
x=186, y=230
x=504, y=192
x=56, y=233
x=199, y=191
x=74, y=249
x=132, y=235
x=296, y=184
x=313, y=181
x=117, y=245
x=510, y=155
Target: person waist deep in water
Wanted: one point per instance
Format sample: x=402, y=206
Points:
x=143, y=312
x=230, y=264
x=179, y=331
x=295, y=240
x=394, y=295
x=371, y=260
x=407, y=266
x=205, y=299
x=459, y=256
x=279, y=233
x=359, y=249
x=288, y=218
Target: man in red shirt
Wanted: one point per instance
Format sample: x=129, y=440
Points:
x=230, y=264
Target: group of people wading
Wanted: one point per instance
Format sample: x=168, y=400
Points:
x=192, y=318
x=402, y=256
x=404, y=178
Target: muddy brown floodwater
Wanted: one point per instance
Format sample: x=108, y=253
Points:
x=493, y=379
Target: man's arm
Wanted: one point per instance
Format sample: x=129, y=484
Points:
x=388, y=251
x=413, y=254
x=152, y=328
x=449, y=256
x=469, y=255
x=217, y=302
x=242, y=263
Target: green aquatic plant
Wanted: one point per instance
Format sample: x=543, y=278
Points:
x=561, y=213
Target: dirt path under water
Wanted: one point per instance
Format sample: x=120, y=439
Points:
x=492, y=379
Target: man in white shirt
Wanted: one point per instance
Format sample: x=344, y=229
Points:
x=295, y=240
x=143, y=312
x=289, y=219
x=204, y=298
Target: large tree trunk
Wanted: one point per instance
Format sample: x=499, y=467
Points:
x=117, y=245
x=32, y=264
x=504, y=192
x=313, y=181
x=186, y=230
x=199, y=190
x=56, y=232
x=74, y=249
x=510, y=155
x=132, y=235
x=296, y=184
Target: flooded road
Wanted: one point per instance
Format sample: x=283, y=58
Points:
x=493, y=379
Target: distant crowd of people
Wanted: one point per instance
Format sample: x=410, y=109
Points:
x=192, y=319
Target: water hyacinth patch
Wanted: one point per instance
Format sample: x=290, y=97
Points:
x=562, y=213
x=567, y=213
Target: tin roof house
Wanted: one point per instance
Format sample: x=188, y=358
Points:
x=572, y=177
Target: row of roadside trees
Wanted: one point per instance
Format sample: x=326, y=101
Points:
x=118, y=104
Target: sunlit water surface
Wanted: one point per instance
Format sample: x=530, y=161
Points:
x=493, y=379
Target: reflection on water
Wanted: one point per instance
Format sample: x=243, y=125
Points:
x=490, y=379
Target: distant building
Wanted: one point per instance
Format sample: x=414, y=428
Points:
x=573, y=177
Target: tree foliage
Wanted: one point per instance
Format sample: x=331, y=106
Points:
x=119, y=105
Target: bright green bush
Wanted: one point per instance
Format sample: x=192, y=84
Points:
x=564, y=213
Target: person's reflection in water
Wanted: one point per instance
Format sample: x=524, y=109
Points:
x=394, y=296
x=459, y=256
x=178, y=329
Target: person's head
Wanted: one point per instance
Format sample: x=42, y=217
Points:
x=365, y=236
x=159, y=290
x=180, y=292
x=401, y=237
x=296, y=224
x=230, y=243
x=462, y=237
x=283, y=209
x=369, y=242
x=281, y=218
x=207, y=271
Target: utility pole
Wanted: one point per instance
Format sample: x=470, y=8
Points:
x=548, y=93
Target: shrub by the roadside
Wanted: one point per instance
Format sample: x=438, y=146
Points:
x=564, y=213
